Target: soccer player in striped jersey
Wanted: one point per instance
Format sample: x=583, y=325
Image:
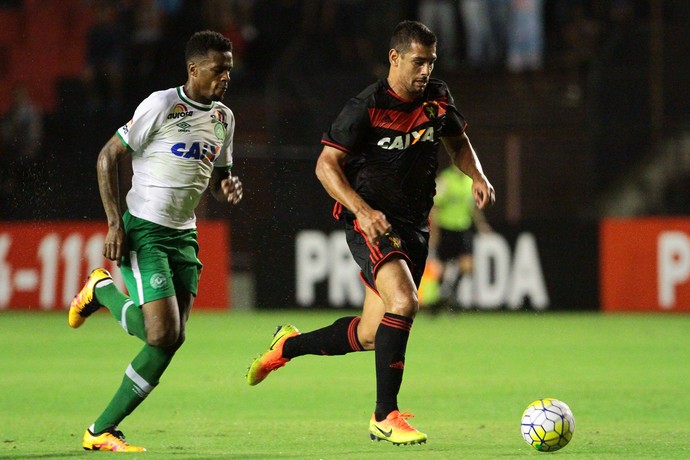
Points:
x=379, y=162
x=180, y=141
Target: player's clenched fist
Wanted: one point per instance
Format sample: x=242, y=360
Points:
x=374, y=225
x=232, y=189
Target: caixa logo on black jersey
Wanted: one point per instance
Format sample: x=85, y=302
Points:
x=406, y=140
x=179, y=111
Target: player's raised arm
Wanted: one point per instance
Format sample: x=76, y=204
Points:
x=330, y=172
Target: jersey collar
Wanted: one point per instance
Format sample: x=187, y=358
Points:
x=181, y=94
x=396, y=95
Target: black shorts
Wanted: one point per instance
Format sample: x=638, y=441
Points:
x=454, y=244
x=404, y=241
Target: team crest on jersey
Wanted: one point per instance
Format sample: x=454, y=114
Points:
x=431, y=109
x=394, y=240
x=179, y=111
x=220, y=125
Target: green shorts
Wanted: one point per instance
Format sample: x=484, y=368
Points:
x=161, y=261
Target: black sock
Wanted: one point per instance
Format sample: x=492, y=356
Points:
x=337, y=339
x=391, y=342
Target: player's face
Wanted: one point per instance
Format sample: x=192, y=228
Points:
x=415, y=67
x=212, y=75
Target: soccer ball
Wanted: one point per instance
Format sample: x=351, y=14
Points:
x=548, y=424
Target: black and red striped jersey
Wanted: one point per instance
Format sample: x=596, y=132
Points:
x=392, y=146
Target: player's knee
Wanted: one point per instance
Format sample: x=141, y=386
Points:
x=407, y=306
x=164, y=338
x=180, y=340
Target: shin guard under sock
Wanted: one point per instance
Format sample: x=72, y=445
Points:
x=337, y=339
x=391, y=342
x=130, y=317
x=140, y=378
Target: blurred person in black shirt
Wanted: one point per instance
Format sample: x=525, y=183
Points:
x=21, y=136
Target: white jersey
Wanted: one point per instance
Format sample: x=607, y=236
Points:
x=175, y=144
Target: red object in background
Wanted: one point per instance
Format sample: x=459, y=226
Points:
x=645, y=264
x=44, y=264
x=42, y=42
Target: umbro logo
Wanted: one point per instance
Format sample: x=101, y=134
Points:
x=387, y=118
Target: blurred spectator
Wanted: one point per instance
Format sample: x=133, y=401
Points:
x=485, y=23
x=618, y=93
x=331, y=49
x=22, y=127
x=181, y=19
x=577, y=37
x=105, y=58
x=233, y=18
x=525, y=45
x=22, y=139
x=146, y=37
x=273, y=36
x=441, y=16
x=348, y=20
x=170, y=7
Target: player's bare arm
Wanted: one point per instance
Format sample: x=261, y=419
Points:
x=225, y=187
x=330, y=172
x=111, y=154
x=465, y=158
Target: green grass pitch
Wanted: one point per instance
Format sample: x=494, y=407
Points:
x=468, y=378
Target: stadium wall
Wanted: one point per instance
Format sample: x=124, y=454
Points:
x=640, y=265
x=645, y=264
x=616, y=265
x=535, y=265
x=44, y=264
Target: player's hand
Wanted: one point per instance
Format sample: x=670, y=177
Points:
x=232, y=189
x=483, y=192
x=374, y=225
x=115, y=244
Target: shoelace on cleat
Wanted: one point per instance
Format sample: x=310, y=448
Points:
x=118, y=434
x=401, y=421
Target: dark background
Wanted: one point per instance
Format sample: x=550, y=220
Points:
x=557, y=142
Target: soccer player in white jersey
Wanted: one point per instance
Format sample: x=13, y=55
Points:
x=180, y=141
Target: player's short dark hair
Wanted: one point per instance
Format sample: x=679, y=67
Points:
x=408, y=32
x=207, y=40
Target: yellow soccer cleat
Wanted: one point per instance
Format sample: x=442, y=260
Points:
x=85, y=303
x=110, y=440
x=272, y=358
x=395, y=429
